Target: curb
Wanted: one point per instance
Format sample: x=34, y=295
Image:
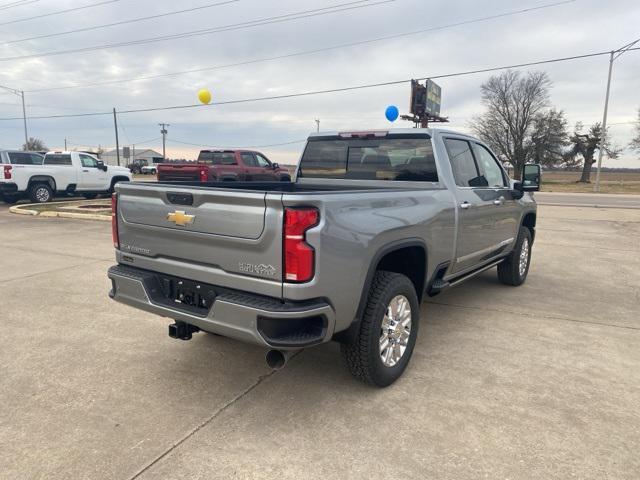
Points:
x=24, y=210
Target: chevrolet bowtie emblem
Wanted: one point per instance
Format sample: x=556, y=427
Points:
x=180, y=218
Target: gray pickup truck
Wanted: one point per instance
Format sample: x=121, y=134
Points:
x=373, y=222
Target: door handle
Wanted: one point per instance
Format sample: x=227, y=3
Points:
x=498, y=201
x=86, y=171
x=466, y=205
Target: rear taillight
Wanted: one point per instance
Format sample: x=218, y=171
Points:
x=7, y=172
x=114, y=220
x=299, y=256
x=204, y=174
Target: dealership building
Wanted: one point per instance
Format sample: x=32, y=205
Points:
x=151, y=156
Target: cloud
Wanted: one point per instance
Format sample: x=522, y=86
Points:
x=575, y=28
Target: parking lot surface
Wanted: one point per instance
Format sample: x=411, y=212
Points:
x=540, y=381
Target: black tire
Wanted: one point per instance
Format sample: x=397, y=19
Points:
x=509, y=270
x=40, y=193
x=363, y=355
x=89, y=196
x=10, y=199
x=285, y=178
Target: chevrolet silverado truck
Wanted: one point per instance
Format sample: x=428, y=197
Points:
x=224, y=166
x=60, y=173
x=373, y=223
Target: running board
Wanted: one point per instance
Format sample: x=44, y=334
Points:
x=438, y=285
x=474, y=273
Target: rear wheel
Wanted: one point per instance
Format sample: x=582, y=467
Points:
x=388, y=330
x=40, y=193
x=514, y=269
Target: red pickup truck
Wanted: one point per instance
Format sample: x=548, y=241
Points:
x=224, y=166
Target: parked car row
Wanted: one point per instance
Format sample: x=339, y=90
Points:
x=40, y=178
x=224, y=166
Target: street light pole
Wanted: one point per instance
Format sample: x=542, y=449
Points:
x=613, y=55
x=163, y=131
x=603, y=138
x=20, y=93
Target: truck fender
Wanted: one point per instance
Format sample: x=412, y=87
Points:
x=349, y=334
x=42, y=179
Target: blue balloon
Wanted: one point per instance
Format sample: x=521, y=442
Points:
x=392, y=113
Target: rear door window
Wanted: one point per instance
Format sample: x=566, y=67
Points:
x=463, y=164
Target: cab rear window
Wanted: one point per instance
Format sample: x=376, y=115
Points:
x=217, y=158
x=389, y=158
x=57, y=159
x=25, y=158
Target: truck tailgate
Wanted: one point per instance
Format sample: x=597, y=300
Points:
x=168, y=172
x=227, y=238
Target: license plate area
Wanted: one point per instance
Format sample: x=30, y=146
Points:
x=182, y=294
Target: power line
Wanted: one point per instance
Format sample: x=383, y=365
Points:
x=59, y=12
x=123, y=22
x=306, y=52
x=331, y=90
x=6, y=6
x=193, y=33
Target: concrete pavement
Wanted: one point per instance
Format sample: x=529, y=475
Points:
x=540, y=381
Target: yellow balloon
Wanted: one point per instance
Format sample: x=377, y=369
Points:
x=204, y=96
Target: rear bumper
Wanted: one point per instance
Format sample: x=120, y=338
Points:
x=246, y=317
x=8, y=188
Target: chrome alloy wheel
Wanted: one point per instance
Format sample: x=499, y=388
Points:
x=524, y=257
x=42, y=194
x=395, y=330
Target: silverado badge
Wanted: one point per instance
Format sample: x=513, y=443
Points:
x=180, y=218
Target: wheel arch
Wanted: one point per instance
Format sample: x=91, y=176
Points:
x=43, y=179
x=408, y=257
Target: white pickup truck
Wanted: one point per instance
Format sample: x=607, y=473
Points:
x=60, y=173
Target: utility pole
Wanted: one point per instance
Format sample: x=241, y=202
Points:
x=65, y=144
x=134, y=153
x=163, y=131
x=115, y=124
x=20, y=93
x=317, y=124
x=603, y=141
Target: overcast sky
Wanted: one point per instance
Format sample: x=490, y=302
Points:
x=574, y=28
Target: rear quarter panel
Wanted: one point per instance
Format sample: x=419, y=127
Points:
x=354, y=227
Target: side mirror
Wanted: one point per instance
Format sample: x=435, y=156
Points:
x=100, y=164
x=275, y=166
x=531, y=178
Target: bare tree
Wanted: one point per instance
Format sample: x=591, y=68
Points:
x=584, y=146
x=549, y=138
x=635, y=143
x=34, y=145
x=512, y=104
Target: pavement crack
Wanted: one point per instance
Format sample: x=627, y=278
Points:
x=207, y=421
x=548, y=317
x=55, y=270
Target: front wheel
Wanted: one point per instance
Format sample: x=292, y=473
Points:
x=514, y=269
x=40, y=193
x=388, y=330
